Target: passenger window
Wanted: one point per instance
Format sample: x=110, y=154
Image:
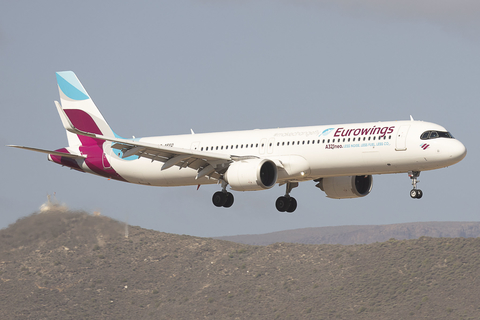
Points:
x=201, y=149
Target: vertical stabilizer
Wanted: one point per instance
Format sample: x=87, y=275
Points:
x=80, y=110
x=77, y=110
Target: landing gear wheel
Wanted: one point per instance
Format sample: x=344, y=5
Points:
x=229, y=200
x=292, y=206
x=416, y=193
x=282, y=204
x=287, y=203
x=219, y=199
x=413, y=193
x=419, y=193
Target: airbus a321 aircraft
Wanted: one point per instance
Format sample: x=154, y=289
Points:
x=340, y=158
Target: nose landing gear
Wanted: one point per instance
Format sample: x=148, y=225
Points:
x=415, y=193
x=287, y=203
x=223, y=198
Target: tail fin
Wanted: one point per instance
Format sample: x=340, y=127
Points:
x=80, y=110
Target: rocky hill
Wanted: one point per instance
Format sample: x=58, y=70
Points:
x=71, y=265
x=363, y=234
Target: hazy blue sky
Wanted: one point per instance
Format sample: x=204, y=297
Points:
x=163, y=67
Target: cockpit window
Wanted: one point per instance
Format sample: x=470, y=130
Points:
x=445, y=135
x=435, y=134
x=425, y=135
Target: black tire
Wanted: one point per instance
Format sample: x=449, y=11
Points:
x=282, y=204
x=419, y=194
x=413, y=193
x=219, y=198
x=293, y=205
x=229, y=200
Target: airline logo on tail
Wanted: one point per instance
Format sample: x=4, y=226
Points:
x=78, y=111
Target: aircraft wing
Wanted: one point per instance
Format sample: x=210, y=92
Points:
x=206, y=164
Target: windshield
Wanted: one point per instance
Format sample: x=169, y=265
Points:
x=435, y=134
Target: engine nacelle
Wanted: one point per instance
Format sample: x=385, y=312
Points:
x=346, y=187
x=251, y=174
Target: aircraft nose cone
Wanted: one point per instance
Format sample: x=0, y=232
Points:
x=458, y=151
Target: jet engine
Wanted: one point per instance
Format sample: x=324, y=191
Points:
x=346, y=187
x=251, y=174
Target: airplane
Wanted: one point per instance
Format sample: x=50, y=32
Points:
x=340, y=158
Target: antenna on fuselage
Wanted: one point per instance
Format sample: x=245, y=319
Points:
x=411, y=118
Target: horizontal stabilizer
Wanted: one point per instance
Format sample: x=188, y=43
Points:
x=54, y=153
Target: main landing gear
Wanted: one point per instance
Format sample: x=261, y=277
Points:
x=223, y=198
x=415, y=193
x=287, y=203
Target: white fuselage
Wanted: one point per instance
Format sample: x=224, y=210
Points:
x=305, y=153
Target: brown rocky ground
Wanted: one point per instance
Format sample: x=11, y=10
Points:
x=72, y=265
